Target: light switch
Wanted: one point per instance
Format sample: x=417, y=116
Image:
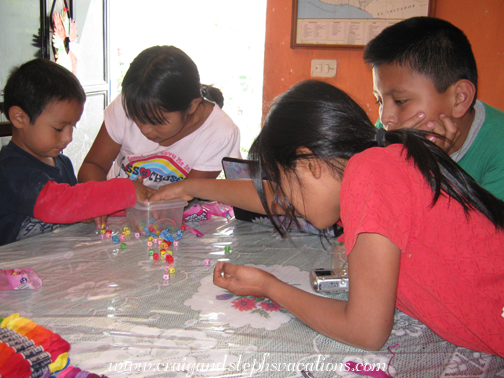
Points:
x=323, y=68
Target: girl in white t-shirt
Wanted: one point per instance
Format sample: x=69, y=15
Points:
x=165, y=125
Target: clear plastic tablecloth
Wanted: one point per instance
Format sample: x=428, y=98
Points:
x=122, y=318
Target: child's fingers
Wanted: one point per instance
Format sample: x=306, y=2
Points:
x=452, y=130
x=218, y=279
x=222, y=274
x=414, y=122
x=100, y=222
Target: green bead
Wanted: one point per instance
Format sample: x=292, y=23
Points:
x=123, y=245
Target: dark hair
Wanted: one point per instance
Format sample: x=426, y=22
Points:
x=429, y=46
x=323, y=119
x=37, y=83
x=163, y=78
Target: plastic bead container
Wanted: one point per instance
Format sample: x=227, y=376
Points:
x=156, y=216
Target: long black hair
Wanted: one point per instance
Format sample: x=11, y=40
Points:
x=163, y=78
x=316, y=116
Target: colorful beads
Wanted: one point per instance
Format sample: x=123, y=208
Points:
x=123, y=246
x=206, y=262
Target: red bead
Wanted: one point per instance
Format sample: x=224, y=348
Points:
x=169, y=258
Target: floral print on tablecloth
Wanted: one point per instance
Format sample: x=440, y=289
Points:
x=222, y=306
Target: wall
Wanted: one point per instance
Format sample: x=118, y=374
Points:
x=481, y=21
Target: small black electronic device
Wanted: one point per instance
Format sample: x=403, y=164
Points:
x=329, y=280
x=239, y=169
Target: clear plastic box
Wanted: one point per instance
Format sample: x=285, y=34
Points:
x=156, y=216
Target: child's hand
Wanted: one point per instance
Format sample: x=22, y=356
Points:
x=176, y=190
x=444, y=127
x=143, y=192
x=242, y=280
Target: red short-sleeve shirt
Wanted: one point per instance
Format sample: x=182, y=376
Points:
x=452, y=265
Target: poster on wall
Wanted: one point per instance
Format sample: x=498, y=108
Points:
x=64, y=31
x=353, y=23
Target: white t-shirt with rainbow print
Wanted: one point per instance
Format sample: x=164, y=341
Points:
x=201, y=150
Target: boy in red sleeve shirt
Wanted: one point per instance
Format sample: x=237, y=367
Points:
x=38, y=187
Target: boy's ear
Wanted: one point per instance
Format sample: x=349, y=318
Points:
x=464, y=96
x=18, y=117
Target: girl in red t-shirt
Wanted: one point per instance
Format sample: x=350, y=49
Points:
x=420, y=234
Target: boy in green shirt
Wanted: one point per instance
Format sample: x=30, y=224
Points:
x=425, y=77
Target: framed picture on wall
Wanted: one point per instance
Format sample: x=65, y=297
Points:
x=349, y=23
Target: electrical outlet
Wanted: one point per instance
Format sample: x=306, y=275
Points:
x=323, y=68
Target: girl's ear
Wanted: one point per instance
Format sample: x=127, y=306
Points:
x=310, y=162
x=464, y=96
x=18, y=117
x=314, y=167
x=194, y=105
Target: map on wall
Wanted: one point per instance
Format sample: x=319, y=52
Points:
x=350, y=22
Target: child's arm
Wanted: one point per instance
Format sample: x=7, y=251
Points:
x=62, y=203
x=98, y=162
x=194, y=174
x=100, y=157
x=240, y=193
x=364, y=321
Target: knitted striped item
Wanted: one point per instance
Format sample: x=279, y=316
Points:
x=28, y=350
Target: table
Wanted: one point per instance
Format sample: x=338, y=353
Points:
x=123, y=319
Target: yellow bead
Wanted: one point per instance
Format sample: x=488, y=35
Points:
x=171, y=270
